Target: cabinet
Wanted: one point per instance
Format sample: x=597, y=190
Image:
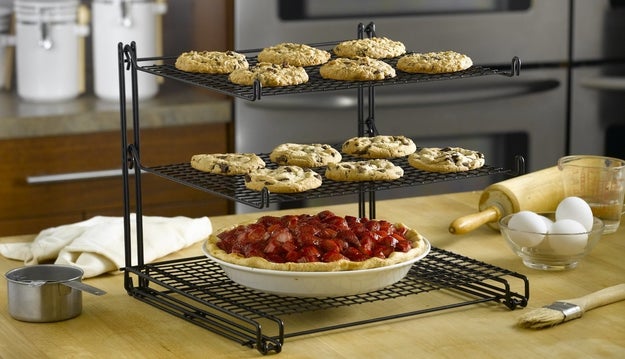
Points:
x=53, y=180
x=197, y=290
x=28, y=207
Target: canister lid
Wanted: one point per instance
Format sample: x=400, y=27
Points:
x=45, y=11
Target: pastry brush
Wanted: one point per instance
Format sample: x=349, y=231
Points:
x=569, y=309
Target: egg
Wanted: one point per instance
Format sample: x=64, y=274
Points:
x=567, y=237
x=528, y=228
x=547, y=221
x=576, y=209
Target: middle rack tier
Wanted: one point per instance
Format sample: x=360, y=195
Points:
x=233, y=187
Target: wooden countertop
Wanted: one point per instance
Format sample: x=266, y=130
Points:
x=117, y=325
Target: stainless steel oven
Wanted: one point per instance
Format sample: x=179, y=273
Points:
x=597, y=122
x=500, y=116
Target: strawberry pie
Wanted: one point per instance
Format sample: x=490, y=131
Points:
x=316, y=243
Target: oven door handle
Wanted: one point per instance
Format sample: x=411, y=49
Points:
x=605, y=83
x=75, y=176
x=457, y=94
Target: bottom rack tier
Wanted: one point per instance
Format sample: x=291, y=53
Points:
x=197, y=290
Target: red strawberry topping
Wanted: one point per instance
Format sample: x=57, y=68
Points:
x=324, y=237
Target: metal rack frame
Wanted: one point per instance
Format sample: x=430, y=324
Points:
x=195, y=289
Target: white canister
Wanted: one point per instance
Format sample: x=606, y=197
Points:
x=47, y=56
x=124, y=21
x=6, y=40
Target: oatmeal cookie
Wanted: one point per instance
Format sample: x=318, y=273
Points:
x=357, y=69
x=211, y=62
x=375, y=47
x=434, y=62
x=294, y=54
x=447, y=159
x=269, y=75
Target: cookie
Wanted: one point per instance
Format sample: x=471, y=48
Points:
x=305, y=155
x=211, y=62
x=381, y=146
x=375, y=47
x=294, y=54
x=448, y=159
x=434, y=62
x=368, y=170
x=283, y=179
x=227, y=163
x=269, y=75
x=358, y=69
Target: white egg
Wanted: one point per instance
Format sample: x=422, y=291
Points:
x=527, y=228
x=548, y=222
x=576, y=209
x=567, y=237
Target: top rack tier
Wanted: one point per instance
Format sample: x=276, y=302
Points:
x=164, y=66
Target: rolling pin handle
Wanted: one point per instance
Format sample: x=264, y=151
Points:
x=470, y=222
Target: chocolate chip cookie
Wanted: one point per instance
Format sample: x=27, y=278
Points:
x=283, y=179
x=367, y=170
x=305, y=155
x=381, y=146
x=447, y=159
x=227, y=163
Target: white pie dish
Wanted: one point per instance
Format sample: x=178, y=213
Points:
x=317, y=284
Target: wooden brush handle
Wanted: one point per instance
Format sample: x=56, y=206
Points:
x=599, y=298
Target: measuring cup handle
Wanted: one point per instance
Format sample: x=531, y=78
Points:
x=84, y=287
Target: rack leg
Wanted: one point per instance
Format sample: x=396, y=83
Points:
x=125, y=164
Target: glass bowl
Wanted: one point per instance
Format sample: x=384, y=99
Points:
x=552, y=251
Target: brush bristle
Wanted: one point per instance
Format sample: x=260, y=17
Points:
x=540, y=318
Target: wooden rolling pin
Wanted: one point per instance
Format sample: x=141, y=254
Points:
x=539, y=191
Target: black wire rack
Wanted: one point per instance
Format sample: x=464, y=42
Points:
x=233, y=187
x=221, y=84
x=197, y=290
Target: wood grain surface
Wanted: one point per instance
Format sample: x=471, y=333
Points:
x=117, y=325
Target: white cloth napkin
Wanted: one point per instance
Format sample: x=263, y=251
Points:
x=97, y=244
